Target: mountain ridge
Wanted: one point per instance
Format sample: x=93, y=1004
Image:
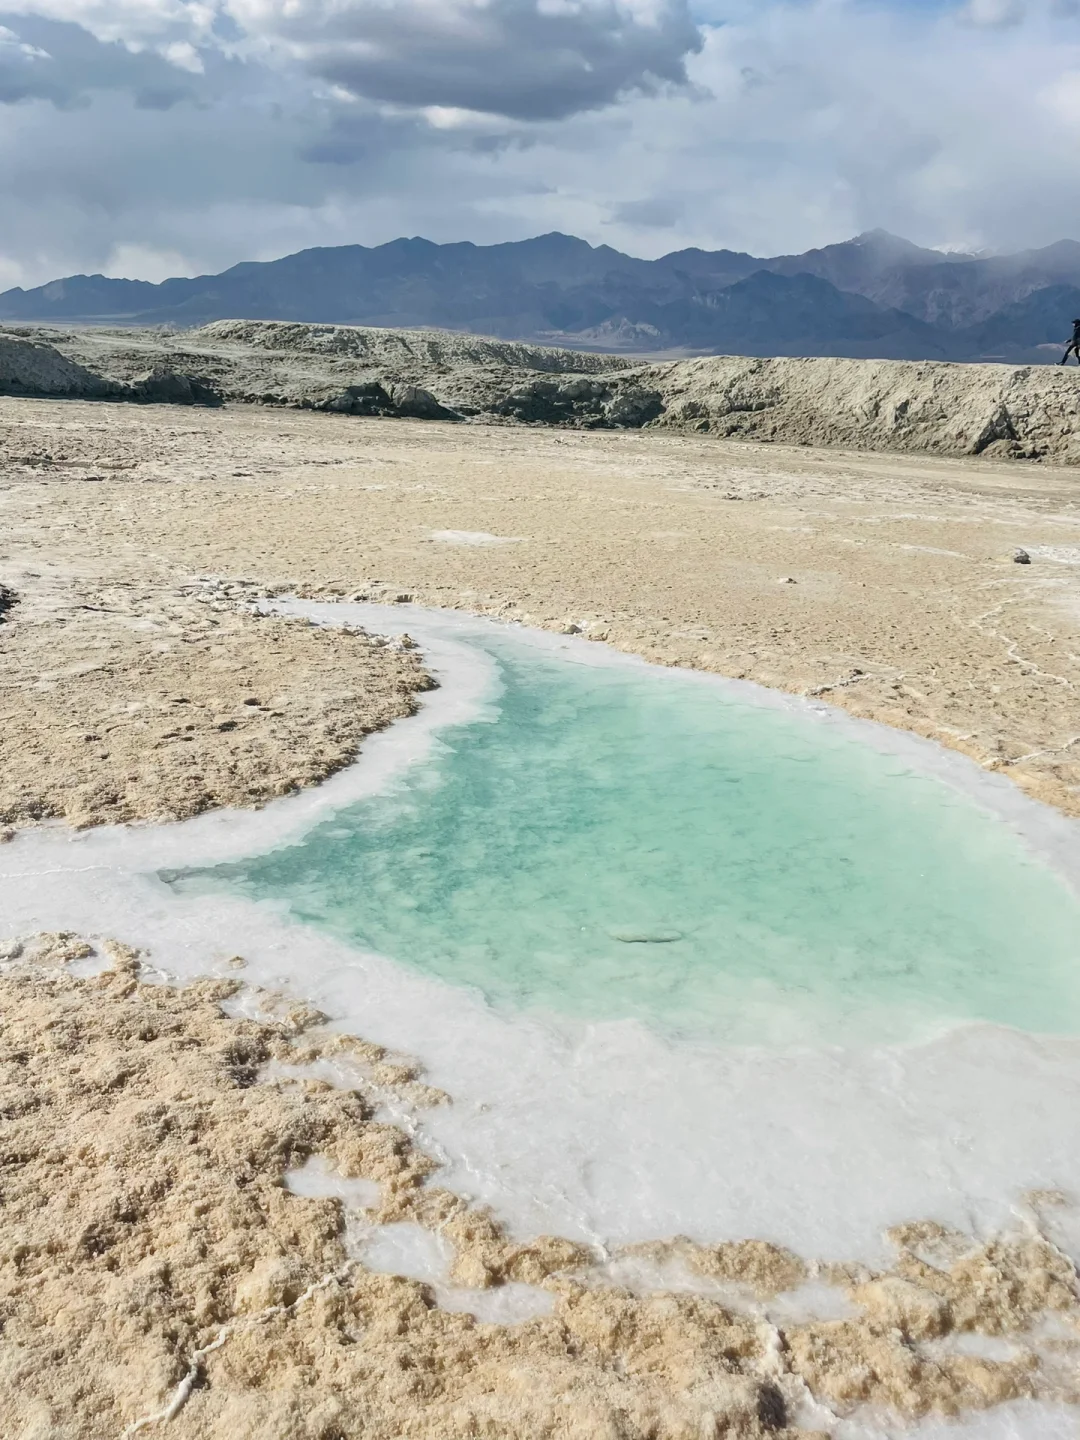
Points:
x=876, y=296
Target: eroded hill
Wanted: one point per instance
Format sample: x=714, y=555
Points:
x=1001, y=411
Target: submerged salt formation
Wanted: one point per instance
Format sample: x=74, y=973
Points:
x=612, y=842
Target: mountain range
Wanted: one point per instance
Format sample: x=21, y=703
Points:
x=876, y=296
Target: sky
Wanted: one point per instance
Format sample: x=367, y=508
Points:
x=149, y=138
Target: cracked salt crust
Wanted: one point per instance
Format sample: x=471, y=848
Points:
x=162, y=1305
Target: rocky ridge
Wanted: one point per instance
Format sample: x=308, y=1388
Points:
x=998, y=411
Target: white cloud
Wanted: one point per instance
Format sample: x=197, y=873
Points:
x=994, y=13
x=144, y=262
x=12, y=47
x=133, y=22
x=183, y=55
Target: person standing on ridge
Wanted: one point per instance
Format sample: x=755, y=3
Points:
x=1073, y=346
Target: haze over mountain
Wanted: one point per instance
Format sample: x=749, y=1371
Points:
x=874, y=296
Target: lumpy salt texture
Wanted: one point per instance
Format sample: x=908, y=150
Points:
x=609, y=843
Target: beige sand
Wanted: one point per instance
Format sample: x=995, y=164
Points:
x=124, y=697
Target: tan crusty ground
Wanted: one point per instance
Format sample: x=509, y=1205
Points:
x=149, y=1240
x=124, y=698
x=906, y=605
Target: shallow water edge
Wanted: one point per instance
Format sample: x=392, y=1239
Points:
x=606, y=1132
x=808, y=888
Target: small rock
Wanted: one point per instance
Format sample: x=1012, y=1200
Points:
x=1021, y=557
x=787, y=580
x=411, y=402
x=236, y=962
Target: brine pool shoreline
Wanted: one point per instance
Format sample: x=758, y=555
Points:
x=607, y=1132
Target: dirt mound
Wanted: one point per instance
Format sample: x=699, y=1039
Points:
x=589, y=404
x=28, y=367
x=163, y=386
x=997, y=411
x=1011, y=412
x=400, y=349
x=397, y=402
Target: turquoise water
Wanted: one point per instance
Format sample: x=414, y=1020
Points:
x=613, y=843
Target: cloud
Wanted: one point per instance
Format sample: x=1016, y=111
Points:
x=139, y=24
x=524, y=59
x=60, y=62
x=764, y=125
x=996, y=14
x=22, y=75
x=143, y=262
x=654, y=212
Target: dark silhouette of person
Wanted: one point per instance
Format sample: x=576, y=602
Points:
x=1073, y=346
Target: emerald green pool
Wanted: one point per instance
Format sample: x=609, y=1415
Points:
x=618, y=842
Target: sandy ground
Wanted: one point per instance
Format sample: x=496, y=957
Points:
x=127, y=694
x=885, y=584
x=142, y=1144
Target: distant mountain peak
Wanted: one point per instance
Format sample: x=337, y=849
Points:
x=557, y=240
x=896, y=246
x=879, y=236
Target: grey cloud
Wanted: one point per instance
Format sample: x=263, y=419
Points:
x=61, y=63
x=656, y=212
x=26, y=72
x=341, y=149
x=522, y=59
x=160, y=97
